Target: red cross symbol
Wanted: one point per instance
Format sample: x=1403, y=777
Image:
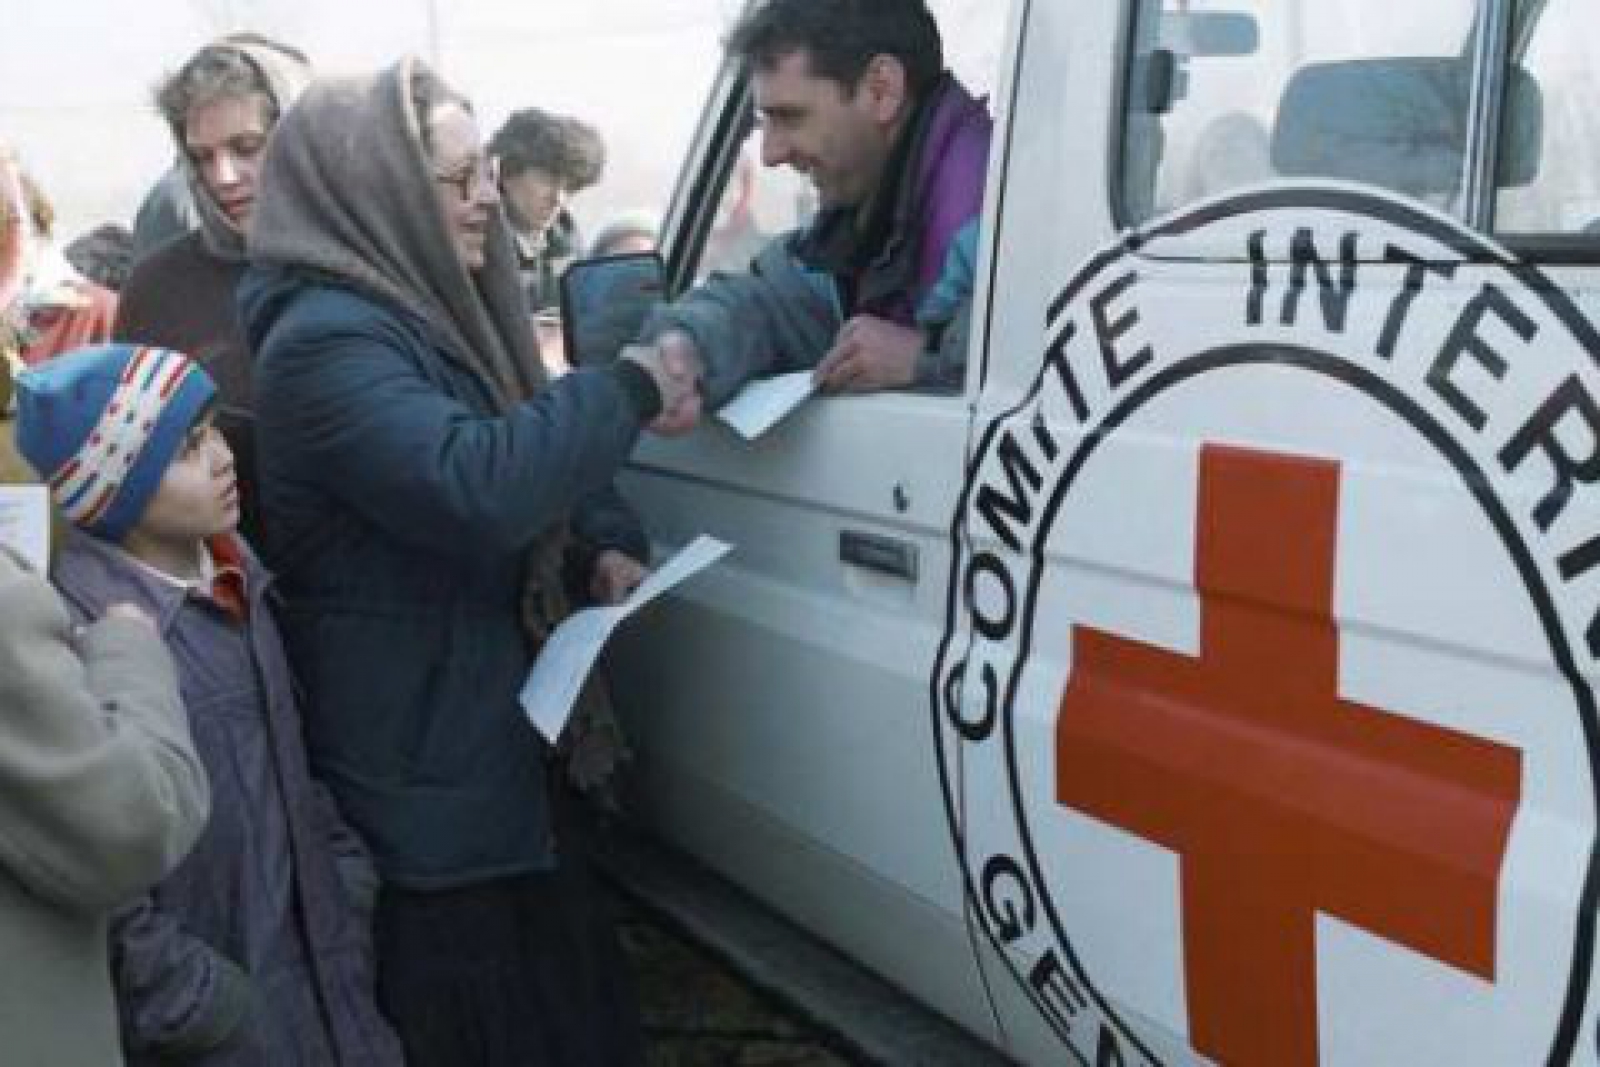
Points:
x=1281, y=799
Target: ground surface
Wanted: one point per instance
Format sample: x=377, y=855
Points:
x=697, y=1013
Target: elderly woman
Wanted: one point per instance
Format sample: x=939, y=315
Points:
x=421, y=480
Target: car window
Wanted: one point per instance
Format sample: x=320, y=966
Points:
x=1555, y=42
x=1227, y=93
x=757, y=203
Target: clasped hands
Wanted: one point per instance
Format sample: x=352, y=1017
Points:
x=868, y=354
x=675, y=366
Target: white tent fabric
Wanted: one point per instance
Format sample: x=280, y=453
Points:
x=76, y=76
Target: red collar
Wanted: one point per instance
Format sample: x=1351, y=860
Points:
x=230, y=589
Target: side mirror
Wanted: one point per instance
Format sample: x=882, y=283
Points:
x=605, y=301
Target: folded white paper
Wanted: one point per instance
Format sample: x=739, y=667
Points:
x=25, y=523
x=762, y=404
x=568, y=656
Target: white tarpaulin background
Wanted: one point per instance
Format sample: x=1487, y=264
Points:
x=76, y=76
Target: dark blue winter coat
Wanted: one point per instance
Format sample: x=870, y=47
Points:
x=400, y=508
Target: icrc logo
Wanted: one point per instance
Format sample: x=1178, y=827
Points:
x=1273, y=612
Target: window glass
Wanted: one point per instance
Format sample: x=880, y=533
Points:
x=1556, y=142
x=1226, y=93
x=758, y=203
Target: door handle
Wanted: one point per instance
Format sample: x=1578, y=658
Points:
x=874, y=552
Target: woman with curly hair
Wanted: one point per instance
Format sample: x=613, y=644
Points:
x=544, y=160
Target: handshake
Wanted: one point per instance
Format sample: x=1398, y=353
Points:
x=674, y=364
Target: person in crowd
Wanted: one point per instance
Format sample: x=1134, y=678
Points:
x=221, y=107
x=13, y=255
x=166, y=212
x=103, y=796
x=256, y=949
x=631, y=231
x=422, y=478
x=53, y=307
x=104, y=255
x=874, y=294
x=544, y=160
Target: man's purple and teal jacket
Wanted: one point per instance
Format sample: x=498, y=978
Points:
x=908, y=255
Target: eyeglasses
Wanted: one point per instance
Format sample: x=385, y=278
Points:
x=465, y=179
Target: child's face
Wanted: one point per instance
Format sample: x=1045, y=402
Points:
x=199, y=497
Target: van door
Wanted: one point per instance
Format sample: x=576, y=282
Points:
x=780, y=705
x=1274, y=594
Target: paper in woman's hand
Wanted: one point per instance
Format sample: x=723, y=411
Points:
x=568, y=656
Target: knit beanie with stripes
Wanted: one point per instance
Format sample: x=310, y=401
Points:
x=102, y=424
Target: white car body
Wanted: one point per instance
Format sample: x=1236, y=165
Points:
x=1211, y=679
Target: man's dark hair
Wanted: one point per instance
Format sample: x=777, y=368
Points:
x=842, y=37
x=568, y=150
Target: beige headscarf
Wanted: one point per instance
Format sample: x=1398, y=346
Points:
x=286, y=74
x=348, y=190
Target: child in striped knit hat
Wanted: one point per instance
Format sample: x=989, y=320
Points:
x=103, y=425
x=255, y=950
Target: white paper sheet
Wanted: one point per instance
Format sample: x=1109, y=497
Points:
x=568, y=656
x=25, y=523
x=763, y=403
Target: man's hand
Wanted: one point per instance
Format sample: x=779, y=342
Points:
x=614, y=576
x=868, y=355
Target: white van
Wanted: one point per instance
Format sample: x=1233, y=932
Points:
x=1212, y=679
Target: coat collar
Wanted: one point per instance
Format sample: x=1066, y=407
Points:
x=93, y=573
